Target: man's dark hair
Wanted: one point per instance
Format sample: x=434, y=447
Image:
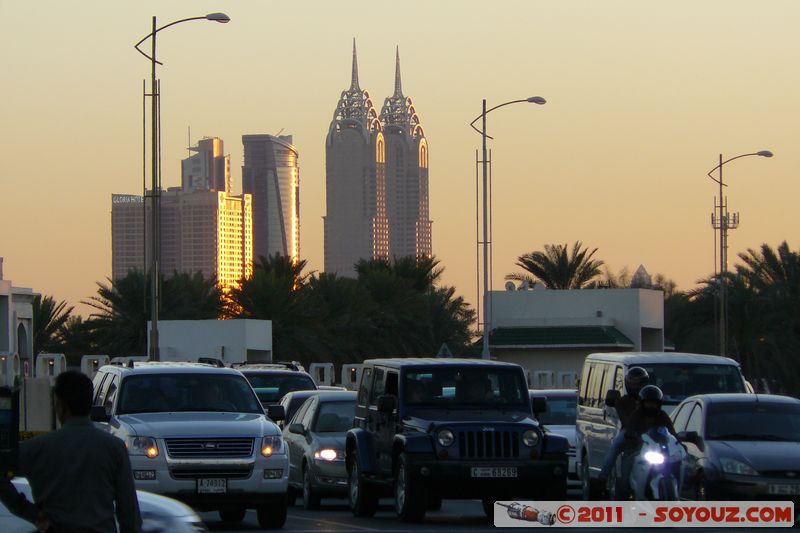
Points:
x=75, y=390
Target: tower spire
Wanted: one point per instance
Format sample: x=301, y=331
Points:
x=354, y=80
x=398, y=86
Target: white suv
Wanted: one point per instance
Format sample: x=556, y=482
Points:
x=196, y=433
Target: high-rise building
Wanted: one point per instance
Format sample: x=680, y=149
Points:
x=406, y=175
x=271, y=175
x=356, y=224
x=209, y=169
x=203, y=231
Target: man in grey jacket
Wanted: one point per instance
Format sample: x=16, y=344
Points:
x=80, y=476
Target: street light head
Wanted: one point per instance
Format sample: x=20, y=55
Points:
x=764, y=153
x=537, y=100
x=218, y=17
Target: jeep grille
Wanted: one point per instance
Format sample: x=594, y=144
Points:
x=488, y=444
x=200, y=448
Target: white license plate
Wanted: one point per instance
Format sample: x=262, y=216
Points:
x=787, y=490
x=491, y=471
x=212, y=486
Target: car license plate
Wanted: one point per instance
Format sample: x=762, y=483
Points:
x=212, y=486
x=786, y=490
x=490, y=471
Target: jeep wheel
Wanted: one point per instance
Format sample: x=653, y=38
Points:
x=410, y=498
x=272, y=515
x=363, y=502
x=310, y=498
x=232, y=515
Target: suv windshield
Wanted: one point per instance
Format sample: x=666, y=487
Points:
x=753, y=421
x=679, y=381
x=485, y=387
x=159, y=393
x=561, y=411
x=271, y=387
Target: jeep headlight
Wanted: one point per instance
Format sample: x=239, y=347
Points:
x=271, y=445
x=530, y=438
x=445, y=438
x=142, y=446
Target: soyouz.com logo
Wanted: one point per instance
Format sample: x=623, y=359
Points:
x=747, y=514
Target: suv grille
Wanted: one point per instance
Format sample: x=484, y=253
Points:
x=201, y=448
x=232, y=472
x=488, y=444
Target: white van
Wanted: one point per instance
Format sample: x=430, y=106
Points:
x=678, y=375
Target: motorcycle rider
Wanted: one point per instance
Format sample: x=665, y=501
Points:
x=649, y=414
x=636, y=378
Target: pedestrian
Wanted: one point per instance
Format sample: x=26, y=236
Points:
x=80, y=476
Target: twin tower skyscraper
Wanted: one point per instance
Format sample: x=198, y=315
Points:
x=376, y=179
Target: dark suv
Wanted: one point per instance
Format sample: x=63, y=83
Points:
x=428, y=429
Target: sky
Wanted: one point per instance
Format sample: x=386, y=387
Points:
x=642, y=97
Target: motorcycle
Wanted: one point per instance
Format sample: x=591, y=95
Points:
x=658, y=467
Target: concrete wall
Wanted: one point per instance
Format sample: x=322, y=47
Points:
x=233, y=341
x=629, y=310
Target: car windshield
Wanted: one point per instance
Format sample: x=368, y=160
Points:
x=335, y=417
x=270, y=388
x=561, y=411
x=159, y=393
x=679, y=381
x=753, y=421
x=475, y=386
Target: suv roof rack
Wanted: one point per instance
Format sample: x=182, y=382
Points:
x=278, y=365
x=213, y=361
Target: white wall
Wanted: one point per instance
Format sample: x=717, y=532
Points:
x=233, y=341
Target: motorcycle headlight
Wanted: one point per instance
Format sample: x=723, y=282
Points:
x=142, y=446
x=732, y=466
x=445, y=438
x=530, y=438
x=271, y=445
x=654, y=458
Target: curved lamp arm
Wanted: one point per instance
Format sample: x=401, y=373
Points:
x=533, y=100
x=762, y=153
x=216, y=17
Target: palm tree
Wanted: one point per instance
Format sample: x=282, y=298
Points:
x=49, y=317
x=558, y=268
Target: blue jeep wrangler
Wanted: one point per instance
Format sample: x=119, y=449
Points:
x=433, y=429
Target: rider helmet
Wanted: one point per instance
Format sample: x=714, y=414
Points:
x=651, y=397
x=635, y=379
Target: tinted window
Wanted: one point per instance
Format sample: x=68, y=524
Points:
x=366, y=381
x=100, y=391
x=308, y=416
x=298, y=416
x=619, y=379
x=334, y=417
x=270, y=388
x=679, y=381
x=378, y=387
x=294, y=404
x=157, y=393
x=468, y=387
x=695, y=422
x=679, y=419
x=561, y=411
x=586, y=378
x=111, y=394
x=754, y=421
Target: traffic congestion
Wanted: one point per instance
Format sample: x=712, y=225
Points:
x=253, y=442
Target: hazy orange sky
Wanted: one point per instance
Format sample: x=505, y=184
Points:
x=642, y=97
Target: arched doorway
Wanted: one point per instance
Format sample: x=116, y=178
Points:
x=22, y=348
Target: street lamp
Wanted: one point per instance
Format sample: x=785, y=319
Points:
x=723, y=223
x=155, y=187
x=486, y=244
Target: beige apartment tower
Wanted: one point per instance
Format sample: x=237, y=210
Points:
x=356, y=223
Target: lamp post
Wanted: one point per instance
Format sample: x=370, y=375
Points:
x=486, y=244
x=155, y=184
x=723, y=222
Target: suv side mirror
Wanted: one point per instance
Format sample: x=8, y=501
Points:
x=611, y=397
x=538, y=405
x=276, y=412
x=298, y=429
x=387, y=404
x=99, y=414
x=688, y=436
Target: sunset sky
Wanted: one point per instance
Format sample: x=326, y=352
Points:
x=642, y=98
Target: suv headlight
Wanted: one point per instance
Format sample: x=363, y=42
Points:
x=142, y=446
x=732, y=466
x=271, y=445
x=530, y=438
x=445, y=437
